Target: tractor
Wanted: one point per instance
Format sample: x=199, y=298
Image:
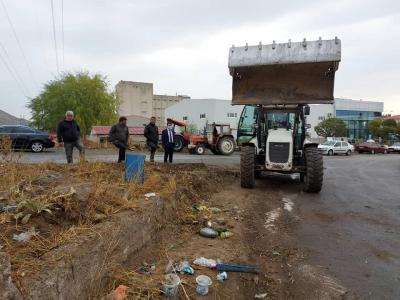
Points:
x=276, y=83
x=217, y=137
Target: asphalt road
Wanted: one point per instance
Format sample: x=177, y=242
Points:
x=57, y=155
x=351, y=229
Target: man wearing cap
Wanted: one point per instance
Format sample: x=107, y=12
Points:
x=68, y=134
x=168, y=141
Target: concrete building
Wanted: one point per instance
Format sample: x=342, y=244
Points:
x=355, y=113
x=202, y=111
x=138, y=101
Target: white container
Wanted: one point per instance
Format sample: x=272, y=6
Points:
x=203, y=282
x=170, y=286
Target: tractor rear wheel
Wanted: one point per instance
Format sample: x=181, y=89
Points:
x=247, y=165
x=226, y=146
x=178, y=144
x=314, y=170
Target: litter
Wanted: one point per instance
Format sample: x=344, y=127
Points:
x=118, y=294
x=149, y=195
x=184, y=267
x=9, y=208
x=260, y=296
x=203, y=282
x=170, y=287
x=222, y=276
x=208, y=232
x=205, y=262
x=236, y=268
x=25, y=236
x=226, y=234
x=143, y=270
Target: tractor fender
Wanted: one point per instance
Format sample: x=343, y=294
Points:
x=308, y=145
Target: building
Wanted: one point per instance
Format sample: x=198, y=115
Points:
x=138, y=101
x=355, y=113
x=395, y=117
x=202, y=111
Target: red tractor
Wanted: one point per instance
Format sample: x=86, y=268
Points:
x=217, y=137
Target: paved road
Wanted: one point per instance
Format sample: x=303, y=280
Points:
x=57, y=155
x=352, y=228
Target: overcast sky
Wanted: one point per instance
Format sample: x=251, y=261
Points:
x=182, y=46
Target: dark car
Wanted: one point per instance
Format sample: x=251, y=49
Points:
x=370, y=147
x=26, y=138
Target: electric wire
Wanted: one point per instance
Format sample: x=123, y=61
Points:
x=21, y=89
x=18, y=42
x=54, y=35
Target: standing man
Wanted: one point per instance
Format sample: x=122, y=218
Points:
x=151, y=135
x=119, y=136
x=168, y=141
x=68, y=134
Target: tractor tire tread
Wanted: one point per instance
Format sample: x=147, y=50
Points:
x=247, y=164
x=314, y=170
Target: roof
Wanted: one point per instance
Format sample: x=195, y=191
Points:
x=8, y=119
x=135, y=130
x=396, y=117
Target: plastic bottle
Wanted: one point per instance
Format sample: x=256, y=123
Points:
x=226, y=234
x=205, y=262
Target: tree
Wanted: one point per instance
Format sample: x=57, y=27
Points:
x=191, y=129
x=86, y=95
x=382, y=128
x=331, y=127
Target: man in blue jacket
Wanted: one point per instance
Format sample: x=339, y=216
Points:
x=168, y=141
x=68, y=134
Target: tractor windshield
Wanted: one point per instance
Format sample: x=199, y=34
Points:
x=280, y=120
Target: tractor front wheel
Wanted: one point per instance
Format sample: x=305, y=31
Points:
x=200, y=149
x=247, y=165
x=314, y=170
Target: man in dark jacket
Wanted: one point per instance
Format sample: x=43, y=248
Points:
x=151, y=134
x=68, y=134
x=168, y=141
x=119, y=136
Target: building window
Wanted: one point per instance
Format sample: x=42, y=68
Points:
x=231, y=115
x=321, y=118
x=202, y=116
x=185, y=118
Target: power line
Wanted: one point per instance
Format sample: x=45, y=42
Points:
x=62, y=31
x=18, y=42
x=13, y=69
x=13, y=76
x=54, y=35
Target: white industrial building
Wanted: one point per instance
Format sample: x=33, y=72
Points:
x=202, y=111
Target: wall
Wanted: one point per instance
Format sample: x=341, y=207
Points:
x=161, y=102
x=136, y=98
x=201, y=111
x=318, y=113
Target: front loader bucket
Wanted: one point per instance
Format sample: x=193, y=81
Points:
x=289, y=73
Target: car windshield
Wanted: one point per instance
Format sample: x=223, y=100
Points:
x=329, y=143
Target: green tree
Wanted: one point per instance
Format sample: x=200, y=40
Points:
x=375, y=127
x=382, y=128
x=86, y=95
x=331, y=127
x=191, y=129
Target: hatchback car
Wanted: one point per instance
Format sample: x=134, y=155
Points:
x=394, y=148
x=26, y=138
x=336, y=147
x=371, y=147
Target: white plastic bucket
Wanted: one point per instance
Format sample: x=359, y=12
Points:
x=170, y=286
x=203, y=282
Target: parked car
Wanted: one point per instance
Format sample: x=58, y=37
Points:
x=336, y=147
x=26, y=138
x=394, y=148
x=370, y=147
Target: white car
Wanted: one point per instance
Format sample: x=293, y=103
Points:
x=336, y=147
x=394, y=148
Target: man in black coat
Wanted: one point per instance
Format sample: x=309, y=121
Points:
x=168, y=141
x=119, y=136
x=151, y=134
x=68, y=134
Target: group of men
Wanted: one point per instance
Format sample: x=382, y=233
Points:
x=68, y=135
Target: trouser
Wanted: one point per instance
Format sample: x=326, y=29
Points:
x=69, y=148
x=168, y=152
x=122, y=149
x=152, y=148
